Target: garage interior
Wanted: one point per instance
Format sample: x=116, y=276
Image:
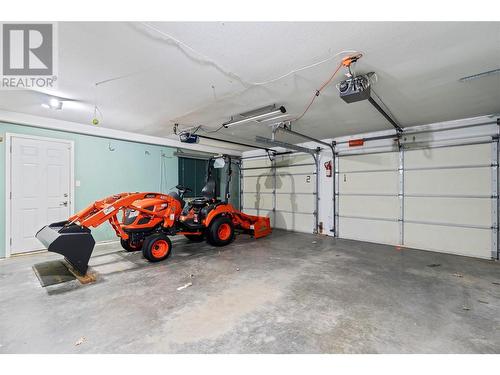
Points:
x=375, y=165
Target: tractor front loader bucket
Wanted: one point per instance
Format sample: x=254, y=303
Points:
x=72, y=241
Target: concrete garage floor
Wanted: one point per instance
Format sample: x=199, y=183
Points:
x=290, y=295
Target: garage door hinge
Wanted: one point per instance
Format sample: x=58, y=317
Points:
x=10, y=195
x=10, y=241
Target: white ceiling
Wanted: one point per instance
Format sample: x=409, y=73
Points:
x=202, y=73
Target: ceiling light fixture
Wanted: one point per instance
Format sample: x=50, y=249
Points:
x=273, y=118
x=53, y=103
x=258, y=116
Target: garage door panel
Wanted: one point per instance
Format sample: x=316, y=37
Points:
x=379, y=231
x=295, y=187
x=369, y=162
x=369, y=183
x=467, y=181
x=295, y=184
x=368, y=187
x=293, y=160
x=462, y=241
x=295, y=202
x=304, y=169
x=297, y=169
x=464, y=211
x=257, y=172
x=260, y=212
x=294, y=222
x=448, y=156
x=258, y=184
x=292, y=179
x=367, y=206
x=257, y=163
x=262, y=201
x=376, y=178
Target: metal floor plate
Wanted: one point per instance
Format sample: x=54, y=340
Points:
x=53, y=272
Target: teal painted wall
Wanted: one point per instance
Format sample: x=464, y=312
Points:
x=102, y=172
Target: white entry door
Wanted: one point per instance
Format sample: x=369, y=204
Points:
x=40, y=188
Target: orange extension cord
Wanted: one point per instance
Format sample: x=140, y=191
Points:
x=346, y=62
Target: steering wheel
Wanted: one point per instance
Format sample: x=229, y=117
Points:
x=183, y=189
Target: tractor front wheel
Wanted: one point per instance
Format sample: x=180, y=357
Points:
x=156, y=247
x=221, y=231
x=127, y=245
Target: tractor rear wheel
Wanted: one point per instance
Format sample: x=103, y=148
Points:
x=195, y=237
x=221, y=231
x=156, y=247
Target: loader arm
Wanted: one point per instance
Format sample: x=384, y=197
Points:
x=102, y=210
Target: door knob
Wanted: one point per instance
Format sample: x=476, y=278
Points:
x=65, y=204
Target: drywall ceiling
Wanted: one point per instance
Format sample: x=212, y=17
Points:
x=152, y=75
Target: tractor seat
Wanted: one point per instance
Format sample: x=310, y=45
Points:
x=178, y=198
x=208, y=193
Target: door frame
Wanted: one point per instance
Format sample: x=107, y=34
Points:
x=8, y=174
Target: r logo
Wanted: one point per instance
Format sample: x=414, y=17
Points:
x=28, y=49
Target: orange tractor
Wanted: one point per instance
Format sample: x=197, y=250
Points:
x=144, y=221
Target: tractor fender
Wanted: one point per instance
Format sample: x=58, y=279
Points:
x=221, y=209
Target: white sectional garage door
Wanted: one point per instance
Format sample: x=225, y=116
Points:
x=442, y=199
x=368, y=202
x=449, y=199
x=283, y=189
x=257, y=187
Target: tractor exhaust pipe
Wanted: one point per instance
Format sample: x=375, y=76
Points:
x=72, y=241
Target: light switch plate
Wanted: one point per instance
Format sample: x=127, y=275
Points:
x=77, y=183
